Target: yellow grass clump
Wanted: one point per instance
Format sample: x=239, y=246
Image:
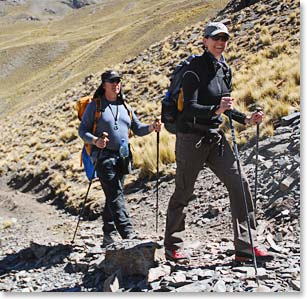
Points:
x=273, y=84
x=145, y=152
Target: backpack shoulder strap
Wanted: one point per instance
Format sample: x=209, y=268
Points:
x=129, y=109
x=98, y=102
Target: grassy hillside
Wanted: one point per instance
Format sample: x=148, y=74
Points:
x=40, y=148
x=39, y=59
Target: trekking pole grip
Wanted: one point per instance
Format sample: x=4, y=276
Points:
x=104, y=135
x=258, y=109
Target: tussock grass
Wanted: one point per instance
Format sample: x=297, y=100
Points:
x=62, y=155
x=272, y=84
x=276, y=50
x=265, y=39
x=267, y=130
x=145, y=152
x=68, y=135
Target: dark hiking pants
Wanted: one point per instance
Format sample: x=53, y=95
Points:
x=190, y=161
x=115, y=215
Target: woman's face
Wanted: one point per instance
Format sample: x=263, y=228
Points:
x=216, y=44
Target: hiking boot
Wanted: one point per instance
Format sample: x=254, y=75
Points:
x=132, y=236
x=246, y=255
x=107, y=240
x=177, y=255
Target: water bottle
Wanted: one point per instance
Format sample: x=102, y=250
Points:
x=123, y=149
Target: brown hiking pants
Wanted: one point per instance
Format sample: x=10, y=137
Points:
x=190, y=161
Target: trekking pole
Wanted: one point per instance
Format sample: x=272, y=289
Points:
x=256, y=164
x=104, y=135
x=157, y=185
x=235, y=147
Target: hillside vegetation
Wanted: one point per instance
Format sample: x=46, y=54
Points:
x=46, y=46
x=40, y=148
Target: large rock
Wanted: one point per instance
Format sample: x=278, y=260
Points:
x=131, y=257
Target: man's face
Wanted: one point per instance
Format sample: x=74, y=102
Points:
x=112, y=86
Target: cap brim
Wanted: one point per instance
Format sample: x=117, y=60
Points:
x=215, y=32
x=113, y=77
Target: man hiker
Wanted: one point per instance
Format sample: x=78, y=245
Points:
x=207, y=84
x=116, y=119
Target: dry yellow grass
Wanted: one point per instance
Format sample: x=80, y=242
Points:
x=145, y=152
x=273, y=84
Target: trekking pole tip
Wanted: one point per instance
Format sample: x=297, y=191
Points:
x=257, y=281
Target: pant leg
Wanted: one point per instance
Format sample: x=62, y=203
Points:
x=227, y=171
x=107, y=218
x=189, y=162
x=115, y=209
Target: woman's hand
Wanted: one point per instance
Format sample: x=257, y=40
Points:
x=256, y=118
x=226, y=103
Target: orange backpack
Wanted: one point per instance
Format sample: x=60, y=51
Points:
x=80, y=107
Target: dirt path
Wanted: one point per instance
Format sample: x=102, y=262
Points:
x=23, y=219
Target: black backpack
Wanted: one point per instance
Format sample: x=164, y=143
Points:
x=172, y=103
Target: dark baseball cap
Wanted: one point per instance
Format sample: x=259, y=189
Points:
x=110, y=75
x=214, y=28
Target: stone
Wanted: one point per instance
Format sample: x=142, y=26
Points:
x=157, y=272
x=272, y=243
x=286, y=183
x=287, y=120
x=295, y=284
x=132, y=257
x=198, y=286
x=220, y=286
x=262, y=289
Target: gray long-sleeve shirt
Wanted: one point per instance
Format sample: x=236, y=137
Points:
x=114, y=114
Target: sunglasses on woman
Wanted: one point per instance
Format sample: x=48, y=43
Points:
x=223, y=38
x=115, y=80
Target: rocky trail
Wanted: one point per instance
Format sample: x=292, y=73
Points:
x=36, y=254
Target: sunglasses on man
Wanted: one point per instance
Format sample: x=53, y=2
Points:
x=114, y=80
x=223, y=38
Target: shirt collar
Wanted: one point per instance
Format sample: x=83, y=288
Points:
x=221, y=61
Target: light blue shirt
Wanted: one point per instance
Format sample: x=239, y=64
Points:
x=114, y=115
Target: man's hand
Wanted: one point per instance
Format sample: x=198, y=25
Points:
x=156, y=125
x=101, y=142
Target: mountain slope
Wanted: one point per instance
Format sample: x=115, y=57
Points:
x=39, y=59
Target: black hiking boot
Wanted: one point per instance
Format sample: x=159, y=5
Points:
x=107, y=240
